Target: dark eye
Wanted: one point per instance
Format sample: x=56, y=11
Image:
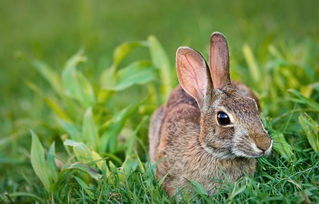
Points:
x=223, y=118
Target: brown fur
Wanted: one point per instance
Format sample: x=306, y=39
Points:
x=186, y=139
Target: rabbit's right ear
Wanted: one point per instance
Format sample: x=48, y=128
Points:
x=193, y=73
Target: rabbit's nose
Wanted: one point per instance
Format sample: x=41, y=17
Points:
x=263, y=142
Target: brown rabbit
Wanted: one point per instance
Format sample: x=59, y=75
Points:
x=210, y=127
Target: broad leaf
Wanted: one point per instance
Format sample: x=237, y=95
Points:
x=81, y=151
x=75, y=84
x=136, y=73
x=124, y=49
x=39, y=163
x=311, y=128
x=100, y=162
x=281, y=146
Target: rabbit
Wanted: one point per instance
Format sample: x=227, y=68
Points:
x=210, y=128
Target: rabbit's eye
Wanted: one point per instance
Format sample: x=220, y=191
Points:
x=223, y=118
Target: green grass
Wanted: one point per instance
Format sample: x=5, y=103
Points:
x=80, y=79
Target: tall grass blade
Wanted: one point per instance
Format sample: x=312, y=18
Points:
x=89, y=129
x=53, y=171
x=26, y=194
x=199, y=188
x=252, y=64
x=161, y=61
x=298, y=98
x=131, y=140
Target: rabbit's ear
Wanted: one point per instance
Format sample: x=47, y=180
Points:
x=193, y=73
x=219, y=60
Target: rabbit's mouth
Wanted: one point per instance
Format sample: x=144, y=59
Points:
x=250, y=150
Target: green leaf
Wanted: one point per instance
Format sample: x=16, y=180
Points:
x=298, y=98
x=51, y=163
x=51, y=76
x=108, y=80
x=85, y=168
x=124, y=49
x=161, y=61
x=236, y=191
x=311, y=128
x=131, y=140
x=139, y=72
x=281, y=145
x=89, y=129
x=75, y=84
x=199, y=188
x=100, y=162
x=81, y=151
x=114, y=126
x=38, y=162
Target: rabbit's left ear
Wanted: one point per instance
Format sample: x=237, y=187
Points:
x=219, y=60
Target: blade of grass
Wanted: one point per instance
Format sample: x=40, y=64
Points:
x=160, y=60
x=89, y=129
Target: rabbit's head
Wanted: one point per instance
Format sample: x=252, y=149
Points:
x=230, y=123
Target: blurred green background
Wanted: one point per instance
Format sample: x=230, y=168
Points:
x=53, y=31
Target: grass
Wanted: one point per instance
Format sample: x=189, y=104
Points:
x=74, y=127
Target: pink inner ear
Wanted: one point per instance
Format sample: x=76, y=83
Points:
x=192, y=73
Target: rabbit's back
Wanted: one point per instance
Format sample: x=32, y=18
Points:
x=178, y=99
